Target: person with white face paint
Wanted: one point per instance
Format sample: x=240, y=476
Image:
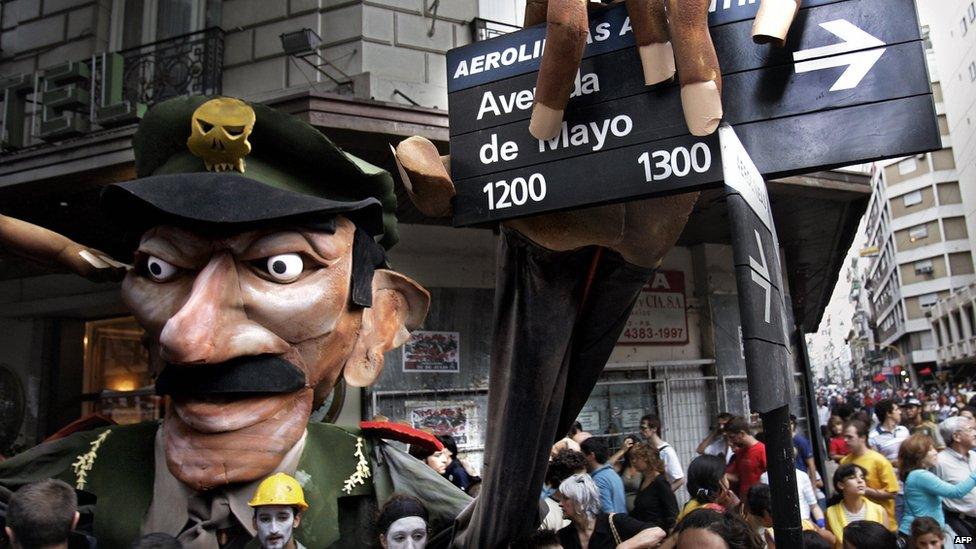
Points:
x=275, y=524
x=402, y=523
x=278, y=504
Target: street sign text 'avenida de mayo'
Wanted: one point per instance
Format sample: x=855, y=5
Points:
x=850, y=86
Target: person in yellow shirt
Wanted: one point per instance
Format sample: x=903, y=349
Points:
x=882, y=484
x=848, y=504
x=708, y=486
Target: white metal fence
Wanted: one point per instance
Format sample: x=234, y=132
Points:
x=680, y=393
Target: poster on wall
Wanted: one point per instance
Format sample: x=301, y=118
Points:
x=631, y=417
x=432, y=352
x=590, y=420
x=455, y=418
x=660, y=316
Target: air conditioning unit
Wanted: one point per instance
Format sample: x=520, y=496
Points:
x=924, y=269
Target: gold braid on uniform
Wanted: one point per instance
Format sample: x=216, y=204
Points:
x=86, y=461
x=362, y=469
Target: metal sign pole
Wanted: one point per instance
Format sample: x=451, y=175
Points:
x=755, y=251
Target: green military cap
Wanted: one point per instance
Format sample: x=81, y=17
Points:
x=221, y=162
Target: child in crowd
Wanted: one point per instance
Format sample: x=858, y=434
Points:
x=849, y=505
x=838, y=446
x=926, y=534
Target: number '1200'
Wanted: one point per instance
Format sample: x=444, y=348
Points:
x=516, y=193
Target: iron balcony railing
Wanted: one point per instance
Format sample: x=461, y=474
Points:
x=189, y=64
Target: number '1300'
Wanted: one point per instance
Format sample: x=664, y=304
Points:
x=502, y=194
x=660, y=165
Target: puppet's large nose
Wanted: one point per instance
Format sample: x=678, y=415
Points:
x=212, y=326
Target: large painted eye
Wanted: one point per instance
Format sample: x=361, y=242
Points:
x=285, y=267
x=159, y=270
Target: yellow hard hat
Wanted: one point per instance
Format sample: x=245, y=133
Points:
x=279, y=489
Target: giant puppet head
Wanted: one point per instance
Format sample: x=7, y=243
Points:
x=258, y=289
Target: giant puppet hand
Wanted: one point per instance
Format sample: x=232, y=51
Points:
x=668, y=33
x=641, y=231
x=52, y=249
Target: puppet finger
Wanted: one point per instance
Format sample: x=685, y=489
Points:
x=50, y=248
x=535, y=12
x=698, y=70
x=565, y=39
x=773, y=21
x=650, y=24
x=425, y=176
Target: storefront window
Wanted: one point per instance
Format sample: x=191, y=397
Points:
x=117, y=381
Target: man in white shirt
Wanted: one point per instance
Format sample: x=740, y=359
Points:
x=650, y=427
x=956, y=463
x=823, y=412
x=887, y=436
x=809, y=510
x=714, y=444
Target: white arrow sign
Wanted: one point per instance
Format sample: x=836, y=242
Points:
x=760, y=273
x=846, y=53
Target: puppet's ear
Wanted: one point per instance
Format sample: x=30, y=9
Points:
x=399, y=307
x=53, y=249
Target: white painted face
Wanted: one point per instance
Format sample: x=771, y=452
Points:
x=407, y=533
x=274, y=524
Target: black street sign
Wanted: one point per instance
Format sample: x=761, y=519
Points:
x=521, y=52
x=507, y=99
x=755, y=255
x=651, y=116
x=661, y=167
x=848, y=64
x=778, y=146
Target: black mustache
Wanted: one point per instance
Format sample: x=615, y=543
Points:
x=246, y=374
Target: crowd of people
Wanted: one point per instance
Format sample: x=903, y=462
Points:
x=909, y=453
x=901, y=470
x=629, y=498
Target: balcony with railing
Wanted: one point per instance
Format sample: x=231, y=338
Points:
x=81, y=96
x=86, y=119
x=952, y=318
x=184, y=65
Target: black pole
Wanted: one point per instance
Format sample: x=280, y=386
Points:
x=781, y=466
x=765, y=336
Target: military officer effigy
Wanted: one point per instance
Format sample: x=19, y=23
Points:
x=259, y=275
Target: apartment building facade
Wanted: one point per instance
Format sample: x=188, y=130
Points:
x=952, y=28
x=917, y=231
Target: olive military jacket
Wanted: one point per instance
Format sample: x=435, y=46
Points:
x=346, y=477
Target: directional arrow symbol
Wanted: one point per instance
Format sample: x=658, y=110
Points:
x=760, y=274
x=859, y=63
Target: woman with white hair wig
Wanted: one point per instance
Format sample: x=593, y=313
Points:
x=589, y=528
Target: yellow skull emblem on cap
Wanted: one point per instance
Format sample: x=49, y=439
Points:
x=219, y=131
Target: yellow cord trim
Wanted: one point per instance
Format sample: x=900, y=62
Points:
x=362, y=473
x=85, y=462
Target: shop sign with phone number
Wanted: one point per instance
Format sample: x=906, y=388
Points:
x=660, y=316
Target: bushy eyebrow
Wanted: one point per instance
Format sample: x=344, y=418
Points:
x=285, y=242
x=189, y=252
